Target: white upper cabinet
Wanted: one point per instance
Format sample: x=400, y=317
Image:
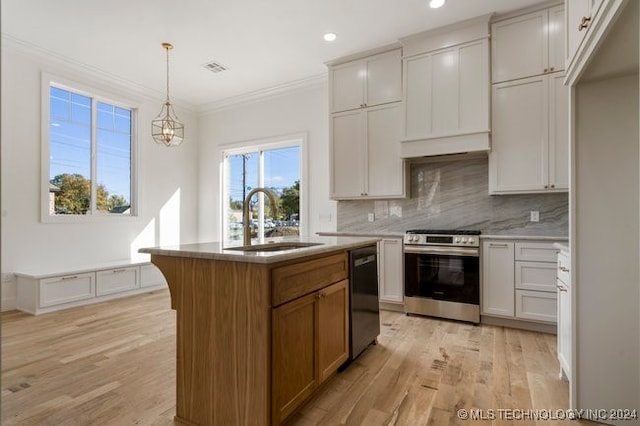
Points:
x=366, y=160
x=362, y=83
x=528, y=45
x=530, y=137
x=446, y=90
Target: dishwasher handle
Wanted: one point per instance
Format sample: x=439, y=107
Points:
x=364, y=260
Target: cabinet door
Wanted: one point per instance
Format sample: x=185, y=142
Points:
x=117, y=280
x=519, y=47
x=556, y=33
x=518, y=158
x=383, y=78
x=418, y=96
x=536, y=305
x=385, y=169
x=564, y=328
x=391, y=278
x=537, y=276
x=576, y=11
x=347, y=86
x=70, y=288
x=295, y=373
x=497, y=279
x=348, y=155
x=333, y=328
x=558, y=132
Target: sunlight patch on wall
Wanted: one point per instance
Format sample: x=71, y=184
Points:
x=146, y=238
x=169, y=222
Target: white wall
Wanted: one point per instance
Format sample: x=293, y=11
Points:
x=605, y=244
x=167, y=178
x=302, y=111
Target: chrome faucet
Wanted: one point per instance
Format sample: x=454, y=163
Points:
x=245, y=211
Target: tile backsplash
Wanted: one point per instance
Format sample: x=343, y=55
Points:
x=454, y=194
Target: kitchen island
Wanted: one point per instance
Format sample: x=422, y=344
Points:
x=258, y=328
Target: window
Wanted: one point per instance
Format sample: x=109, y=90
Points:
x=90, y=145
x=275, y=166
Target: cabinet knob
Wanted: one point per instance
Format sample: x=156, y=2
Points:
x=553, y=186
x=584, y=23
x=561, y=288
x=546, y=187
x=551, y=69
x=546, y=70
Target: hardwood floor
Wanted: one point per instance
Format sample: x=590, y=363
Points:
x=114, y=364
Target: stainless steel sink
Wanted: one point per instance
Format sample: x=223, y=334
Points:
x=288, y=245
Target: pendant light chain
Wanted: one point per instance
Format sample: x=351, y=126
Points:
x=167, y=50
x=166, y=128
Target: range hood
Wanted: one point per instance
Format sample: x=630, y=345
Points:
x=445, y=144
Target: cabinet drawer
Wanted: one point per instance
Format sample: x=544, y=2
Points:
x=116, y=280
x=292, y=281
x=59, y=290
x=536, y=252
x=150, y=276
x=563, y=269
x=539, y=276
x=536, y=305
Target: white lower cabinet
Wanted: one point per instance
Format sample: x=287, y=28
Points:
x=564, y=315
x=66, y=289
x=117, y=280
x=390, y=272
x=497, y=279
x=41, y=291
x=519, y=280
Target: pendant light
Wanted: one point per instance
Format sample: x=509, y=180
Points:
x=166, y=128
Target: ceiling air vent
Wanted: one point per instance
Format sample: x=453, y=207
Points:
x=214, y=67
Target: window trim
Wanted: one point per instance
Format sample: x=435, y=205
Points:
x=96, y=95
x=275, y=142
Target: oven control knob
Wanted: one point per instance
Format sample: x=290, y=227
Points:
x=464, y=240
x=456, y=239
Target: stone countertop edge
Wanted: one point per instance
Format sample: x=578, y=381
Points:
x=362, y=234
x=219, y=251
x=524, y=237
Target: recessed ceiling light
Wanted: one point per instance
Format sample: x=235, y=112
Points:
x=330, y=37
x=434, y=4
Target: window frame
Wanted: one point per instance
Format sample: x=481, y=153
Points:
x=96, y=95
x=286, y=141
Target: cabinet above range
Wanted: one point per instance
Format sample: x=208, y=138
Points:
x=446, y=90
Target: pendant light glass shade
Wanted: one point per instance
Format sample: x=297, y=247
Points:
x=166, y=128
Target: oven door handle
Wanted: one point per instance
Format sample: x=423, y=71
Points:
x=451, y=251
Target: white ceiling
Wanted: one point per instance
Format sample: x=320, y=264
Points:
x=264, y=44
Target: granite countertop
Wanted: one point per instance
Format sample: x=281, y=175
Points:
x=218, y=250
x=363, y=234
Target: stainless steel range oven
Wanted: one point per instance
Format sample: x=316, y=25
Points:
x=442, y=274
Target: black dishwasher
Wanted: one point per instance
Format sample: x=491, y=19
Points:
x=363, y=300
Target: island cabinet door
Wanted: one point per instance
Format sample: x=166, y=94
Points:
x=295, y=375
x=333, y=328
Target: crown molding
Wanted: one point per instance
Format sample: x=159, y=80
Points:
x=52, y=58
x=264, y=94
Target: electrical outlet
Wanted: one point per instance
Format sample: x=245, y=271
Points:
x=535, y=216
x=370, y=217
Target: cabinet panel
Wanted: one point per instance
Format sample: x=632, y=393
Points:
x=294, y=364
x=151, y=276
x=116, y=280
x=444, y=92
x=348, y=158
x=576, y=11
x=536, y=252
x=384, y=78
x=385, y=169
x=558, y=132
x=418, y=96
x=474, y=88
x=556, y=33
x=498, y=279
x=59, y=290
x=519, y=47
x=333, y=328
x=390, y=268
x=347, y=81
x=536, y=305
x=518, y=159
x=538, y=276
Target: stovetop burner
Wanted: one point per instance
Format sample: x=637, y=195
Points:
x=444, y=231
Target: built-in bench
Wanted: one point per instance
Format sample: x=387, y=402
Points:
x=42, y=291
